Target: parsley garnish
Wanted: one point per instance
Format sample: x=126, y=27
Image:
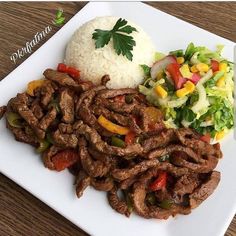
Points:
x=122, y=42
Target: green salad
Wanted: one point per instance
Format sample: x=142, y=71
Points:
x=193, y=88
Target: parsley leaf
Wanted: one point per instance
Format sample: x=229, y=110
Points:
x=122, y=43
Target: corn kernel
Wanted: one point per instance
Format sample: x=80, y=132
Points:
x=189, y=86
x=194, y=69
x=180, y=60
x=220, y=135
x=202, y=67
x=182, y=92
x=184, y=70
x=220, y=82
x=223, y=66
x=160, y=75
x=160, y=91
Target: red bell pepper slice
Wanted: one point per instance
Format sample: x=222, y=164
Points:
x=206, y=138
x=130, y=138
x=160, y=182
x=62, y=67
x=74, y=73
x=214, y=65
x=173, y=69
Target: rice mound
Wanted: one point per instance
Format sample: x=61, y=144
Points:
x=94, y=63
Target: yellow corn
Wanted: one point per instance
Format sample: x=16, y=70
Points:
x=187, y=89
x=223, y=66
x=220, y=82
x=160, y=75
x=184, y=69
x=33, y=85
x=180, y=60
x=220, y=135
x=202, y=67
x=189, y=86
x=160, y=91
x=182, y=92
x=194, y=69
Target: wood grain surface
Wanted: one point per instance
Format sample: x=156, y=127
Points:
x=22, y=214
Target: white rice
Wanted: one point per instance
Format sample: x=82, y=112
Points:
x=94, y=63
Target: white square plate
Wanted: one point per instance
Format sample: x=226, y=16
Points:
x=92, y=212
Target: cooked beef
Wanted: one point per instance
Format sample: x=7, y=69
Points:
x=37, y=110
x=95, y=139
x=65, y=128
x=64, y=140
x=66, y=103
x=2, y=111
x=82, y=182
x=105, y=184
x=161, y=172
x=21, y=136
x=117, y=204
x=205, y=190
x=161, y=140
x=122, y=174
x=47, y=120
x=20, y=105
x=110, y=115
x=92, y=167
x=66, y=81
x=47, y=156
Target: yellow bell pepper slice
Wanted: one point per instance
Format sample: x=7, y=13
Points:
x=108, y=125
x=184, y=69
x=33, y=85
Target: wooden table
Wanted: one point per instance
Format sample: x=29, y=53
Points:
x=22, y=214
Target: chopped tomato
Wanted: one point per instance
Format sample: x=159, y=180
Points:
x=130, y=138
x=160, y=182
x=62, y=67
x=206, y=138
x=65, y=159
x=120, y=98
x=195, y=78
x=74, y=73
x=214, y=65
x=173, y=70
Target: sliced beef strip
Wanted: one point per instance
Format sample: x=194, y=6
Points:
x=20, y=105
x=205, y=190
x=82, y=182
x=2, y=111
x=185, y=185
x=92, y=167
x=21, y=136
x=125, y=184
x=140, y=192
x=159, y=152
x=36, y=109
x=207, y=164
x=191, y=140
x=116, y=203
x=66, y=81
x=95, y=140
x=65, y=128
x=122, y=174
x=105, y=184
x=110, y=115
x=161, y=140
x=47, y=120
x=66, y=103
x=47, y=156
x=111, y=93
x=46, y=93
x=64, y=140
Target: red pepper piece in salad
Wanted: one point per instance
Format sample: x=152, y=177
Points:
x=160, y=182
x=206, y=138
x=214, y=65
x=173, y=70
